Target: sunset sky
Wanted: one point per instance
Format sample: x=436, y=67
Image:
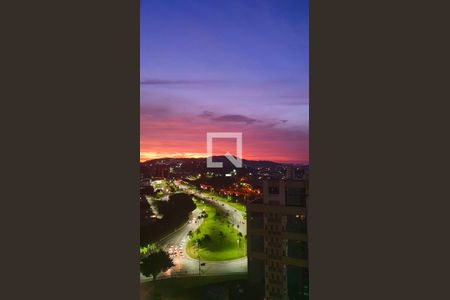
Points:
x=225, y=66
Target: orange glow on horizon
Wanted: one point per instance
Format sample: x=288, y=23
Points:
x=149, y=155
x=187, y=141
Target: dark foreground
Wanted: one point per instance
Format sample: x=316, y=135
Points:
x=233, y=287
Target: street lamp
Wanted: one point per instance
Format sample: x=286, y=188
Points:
x=198, y=254
x=238, y=246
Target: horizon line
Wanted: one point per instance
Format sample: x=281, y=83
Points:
x=205, y=157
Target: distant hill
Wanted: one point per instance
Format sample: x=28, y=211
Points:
x=253, y=164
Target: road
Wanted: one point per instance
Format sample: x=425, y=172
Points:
x=236, y=216
x=187, y=266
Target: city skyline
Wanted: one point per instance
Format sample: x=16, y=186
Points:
x=225, y=67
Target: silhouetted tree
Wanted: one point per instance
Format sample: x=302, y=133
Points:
x=148, y=191
x=156, y=263
x=145, y=210
x=207, y=238
x=178, y=206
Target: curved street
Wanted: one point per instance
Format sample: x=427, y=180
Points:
x=236, y=216
x=177, y=241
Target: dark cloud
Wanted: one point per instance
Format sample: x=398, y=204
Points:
x=206, y=114
x=155, y=110
x=295, y=134
x=236, y=118
x=295, y=102
x=270, y=125
x=173, y=82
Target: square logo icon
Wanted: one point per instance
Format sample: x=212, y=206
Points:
x=237, y=162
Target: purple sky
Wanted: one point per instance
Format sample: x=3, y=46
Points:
x=225, y=66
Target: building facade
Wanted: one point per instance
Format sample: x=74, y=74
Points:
x=277, y=240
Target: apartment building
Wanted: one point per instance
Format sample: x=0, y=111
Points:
x=277, y=240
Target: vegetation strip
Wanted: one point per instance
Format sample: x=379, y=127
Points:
x=216, y=239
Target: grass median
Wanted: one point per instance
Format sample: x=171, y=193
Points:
x=216, y=239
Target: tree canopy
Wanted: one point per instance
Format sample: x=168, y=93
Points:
x=180, y=204
x=147, y=191
x=155, y=263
